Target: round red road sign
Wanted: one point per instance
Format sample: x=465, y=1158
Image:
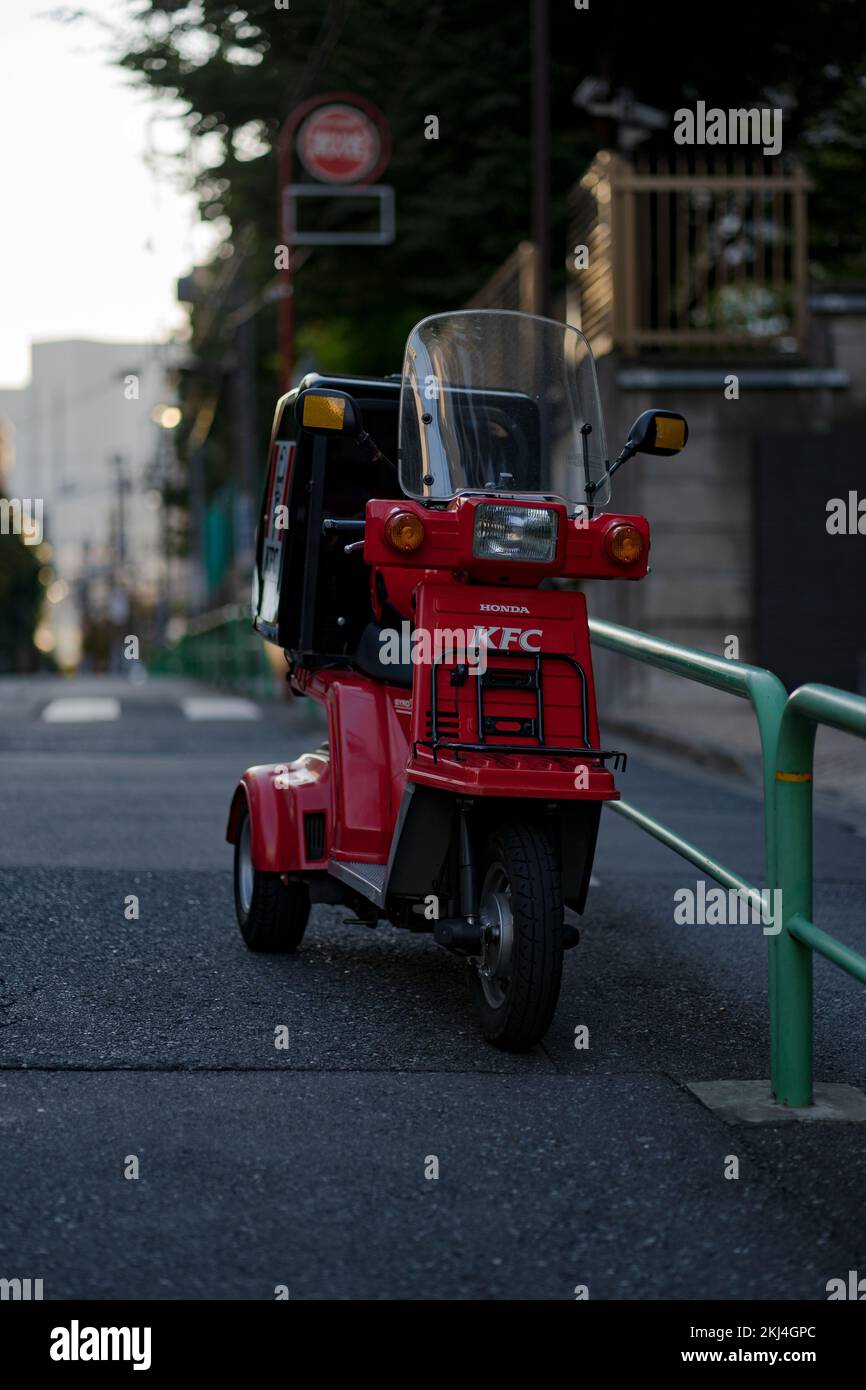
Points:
x=339, y=144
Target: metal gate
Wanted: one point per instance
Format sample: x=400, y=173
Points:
x=810, y=585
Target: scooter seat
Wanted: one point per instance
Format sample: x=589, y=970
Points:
x=368, y=658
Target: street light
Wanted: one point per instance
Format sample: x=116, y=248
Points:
x=168, y=417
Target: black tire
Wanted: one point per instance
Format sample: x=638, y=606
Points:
x=272, y=915
x=520, y=874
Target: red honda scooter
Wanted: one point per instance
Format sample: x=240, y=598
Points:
x=416, y=551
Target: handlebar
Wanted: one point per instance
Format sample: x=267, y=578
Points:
x=337, y=523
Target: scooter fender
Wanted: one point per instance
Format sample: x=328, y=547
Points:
x=279, y=798
x=425, y=829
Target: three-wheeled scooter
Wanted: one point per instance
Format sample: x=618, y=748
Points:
x=414, y=544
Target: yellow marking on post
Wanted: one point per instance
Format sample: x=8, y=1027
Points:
x=793, y=776
x=670, y=434
x=324, y=412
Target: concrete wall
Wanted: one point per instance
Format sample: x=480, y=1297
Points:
x=700, y=504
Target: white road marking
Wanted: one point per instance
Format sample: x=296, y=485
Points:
x=594, y=882
x=219, y=707
x=81, y=710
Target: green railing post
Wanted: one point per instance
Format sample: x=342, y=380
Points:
x=791, y=961
x=811, y=705
x=768, y=697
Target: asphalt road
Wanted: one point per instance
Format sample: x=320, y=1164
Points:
x=154, y=1038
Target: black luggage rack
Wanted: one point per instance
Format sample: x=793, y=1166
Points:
x=530, y=679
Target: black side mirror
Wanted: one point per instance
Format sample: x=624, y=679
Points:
x=321, y=410
x=662, y=432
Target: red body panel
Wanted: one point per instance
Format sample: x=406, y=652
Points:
x=375, y=727
x=551, y=622
x=279, y=796
x=379, y=732
x=363, y=806
x=447, y=546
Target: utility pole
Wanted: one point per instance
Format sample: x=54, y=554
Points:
x=541, y=153
x=122, y=485
x=119, y=601
x=243, y=396
x=198, y=574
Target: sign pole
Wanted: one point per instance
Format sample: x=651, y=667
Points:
x=346, y=142
x=285, y=147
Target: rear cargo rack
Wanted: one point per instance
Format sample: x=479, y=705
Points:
x=526, y=678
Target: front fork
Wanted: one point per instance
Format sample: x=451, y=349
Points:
x=463, y=934
x=468, y=872
x=467, y=935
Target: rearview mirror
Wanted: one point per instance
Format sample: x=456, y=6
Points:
x=661, y=432
x=325, y=411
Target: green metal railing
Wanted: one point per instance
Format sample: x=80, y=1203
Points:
x=222, y=649
x=808, y=707
x=787, y=729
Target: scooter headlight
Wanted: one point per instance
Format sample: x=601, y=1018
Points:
x=514, y=533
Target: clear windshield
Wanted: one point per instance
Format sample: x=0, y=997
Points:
x=503, y=402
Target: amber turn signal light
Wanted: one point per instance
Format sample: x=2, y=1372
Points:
x=404, y=531
x=623, y=544
x=323, y=412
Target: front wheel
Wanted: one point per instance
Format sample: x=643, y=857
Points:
x=272, y=915
x=518, y=975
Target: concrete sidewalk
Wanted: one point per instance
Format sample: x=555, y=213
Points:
x=720, y=732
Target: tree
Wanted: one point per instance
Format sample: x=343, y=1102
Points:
x=464, y=199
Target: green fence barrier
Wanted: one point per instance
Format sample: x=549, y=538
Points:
x=222, y=649
x=808, y=707
x=787, y=729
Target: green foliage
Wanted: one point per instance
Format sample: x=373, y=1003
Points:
x=464, y=201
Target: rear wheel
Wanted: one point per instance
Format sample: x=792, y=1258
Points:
x=272, y=915
x=519, y=973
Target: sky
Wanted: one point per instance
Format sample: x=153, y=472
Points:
x=91, y=242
